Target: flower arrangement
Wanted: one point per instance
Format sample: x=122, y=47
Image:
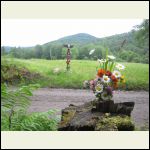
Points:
x=108, y=77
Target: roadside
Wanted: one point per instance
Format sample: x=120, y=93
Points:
x=44, y=99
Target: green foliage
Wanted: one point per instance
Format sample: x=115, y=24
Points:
x=64, y=52
x=16, y=98
x=13, y=74
x=74, y=53
x=14, y=116
x=46, y=53
x=142, y=33
x=120, y=123
x=3, y=51
x=83, y=43
x=136, y=74
x=36, y=121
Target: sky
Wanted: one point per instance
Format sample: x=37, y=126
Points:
x=29, y=32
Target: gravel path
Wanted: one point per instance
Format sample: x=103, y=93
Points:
x=46, y=98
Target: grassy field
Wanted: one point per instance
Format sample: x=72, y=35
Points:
x=136, y=75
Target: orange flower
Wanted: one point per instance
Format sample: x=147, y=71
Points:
x=115, y=85
x=101, y=72
x=114, y=78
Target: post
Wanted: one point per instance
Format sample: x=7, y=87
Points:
x=68, y=57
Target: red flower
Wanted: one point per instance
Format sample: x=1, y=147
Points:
x=108, y=73
x=114, y=79
x=101, y=72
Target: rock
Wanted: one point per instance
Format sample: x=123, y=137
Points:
x=97, y=116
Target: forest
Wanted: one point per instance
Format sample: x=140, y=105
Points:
x=127, y=47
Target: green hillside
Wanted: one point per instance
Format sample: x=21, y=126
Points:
x=124, y=46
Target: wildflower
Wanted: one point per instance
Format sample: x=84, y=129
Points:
x=106, y=79
x=101, y=72
x=117, y=74
x=99, y=88
x=105, y=96
x=108, y=73
x=109, y=90
x=114, y=79
x=101, y=60
x=91, y=51
x=120, y=66
x=92, y=84
x=111, y=57
x=122, y=79
x=86, y=84
x=115, y=85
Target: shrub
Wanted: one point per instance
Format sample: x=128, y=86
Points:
x=14, y=116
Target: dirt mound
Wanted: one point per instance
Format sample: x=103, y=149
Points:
x=13, y=74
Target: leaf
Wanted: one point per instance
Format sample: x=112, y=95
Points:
x=111, y=67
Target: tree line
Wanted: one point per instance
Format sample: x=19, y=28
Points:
x=129, y=47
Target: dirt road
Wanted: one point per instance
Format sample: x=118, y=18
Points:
x=47, y=98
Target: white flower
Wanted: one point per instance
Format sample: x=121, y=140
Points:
x=99, y=88
x=106, y=79
x=101, y=60
x=111, y=57
x=91, y=51
x=120, y=66
x=105, y=96
x=117, y=74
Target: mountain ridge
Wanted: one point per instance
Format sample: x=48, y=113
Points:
x=123, y=45
x=74, y=38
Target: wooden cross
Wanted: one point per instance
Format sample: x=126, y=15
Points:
x=68, y=57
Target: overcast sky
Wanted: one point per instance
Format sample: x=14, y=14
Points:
x=32, y=31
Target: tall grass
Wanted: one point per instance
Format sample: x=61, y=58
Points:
x=136, y=74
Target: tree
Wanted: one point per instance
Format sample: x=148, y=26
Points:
x=74, y=53
x=142, y=33
x=38, y=51
x=3, y=51
x=15, y=53
x=46, y=52
x=63, y=53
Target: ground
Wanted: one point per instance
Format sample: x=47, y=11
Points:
x=48, y=98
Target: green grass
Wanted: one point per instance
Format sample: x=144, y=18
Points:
x=136, y=74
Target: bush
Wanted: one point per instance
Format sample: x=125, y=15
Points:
x=14, y=116
x=12, y=74
x=37, y=121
